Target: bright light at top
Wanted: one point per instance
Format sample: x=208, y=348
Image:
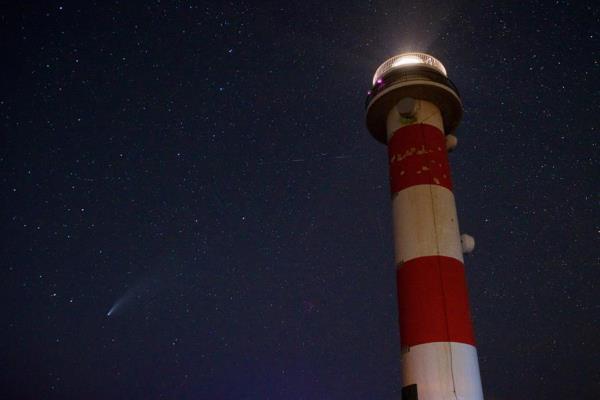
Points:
x=403, y=60
x=406, y=59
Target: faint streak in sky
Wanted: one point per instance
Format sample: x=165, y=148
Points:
x=144, y=289
x=320, y=157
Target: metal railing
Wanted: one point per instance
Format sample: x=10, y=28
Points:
x=419, y=73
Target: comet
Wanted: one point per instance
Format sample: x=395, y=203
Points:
x=120, y=302
x=144, y=289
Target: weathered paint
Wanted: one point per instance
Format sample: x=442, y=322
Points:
x=418, y=156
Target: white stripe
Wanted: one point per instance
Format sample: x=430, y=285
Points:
x=425, y=223
x=443, y=371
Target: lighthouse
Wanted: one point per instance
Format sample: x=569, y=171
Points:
x=415, y=109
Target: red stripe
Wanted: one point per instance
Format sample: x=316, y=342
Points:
x=433, y=302
x=417, y=156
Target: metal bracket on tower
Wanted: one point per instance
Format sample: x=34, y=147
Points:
x=407, y=107
x=467, y=242
x=451, y=142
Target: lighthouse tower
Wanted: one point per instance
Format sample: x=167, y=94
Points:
x=414, y=108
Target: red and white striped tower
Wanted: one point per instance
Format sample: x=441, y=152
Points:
x=411, y=107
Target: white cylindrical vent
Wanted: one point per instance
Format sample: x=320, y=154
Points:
x=451, y=142
x=407, y=107
x=467, y=242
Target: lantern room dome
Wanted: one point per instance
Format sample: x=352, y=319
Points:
x=408, y=59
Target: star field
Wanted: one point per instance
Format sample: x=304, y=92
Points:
x=202, y=173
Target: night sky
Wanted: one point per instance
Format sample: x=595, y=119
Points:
x=193, y=208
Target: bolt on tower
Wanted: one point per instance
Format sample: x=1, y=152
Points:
x=414, y=108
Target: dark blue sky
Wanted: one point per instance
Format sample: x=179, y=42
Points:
x=205, y=169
